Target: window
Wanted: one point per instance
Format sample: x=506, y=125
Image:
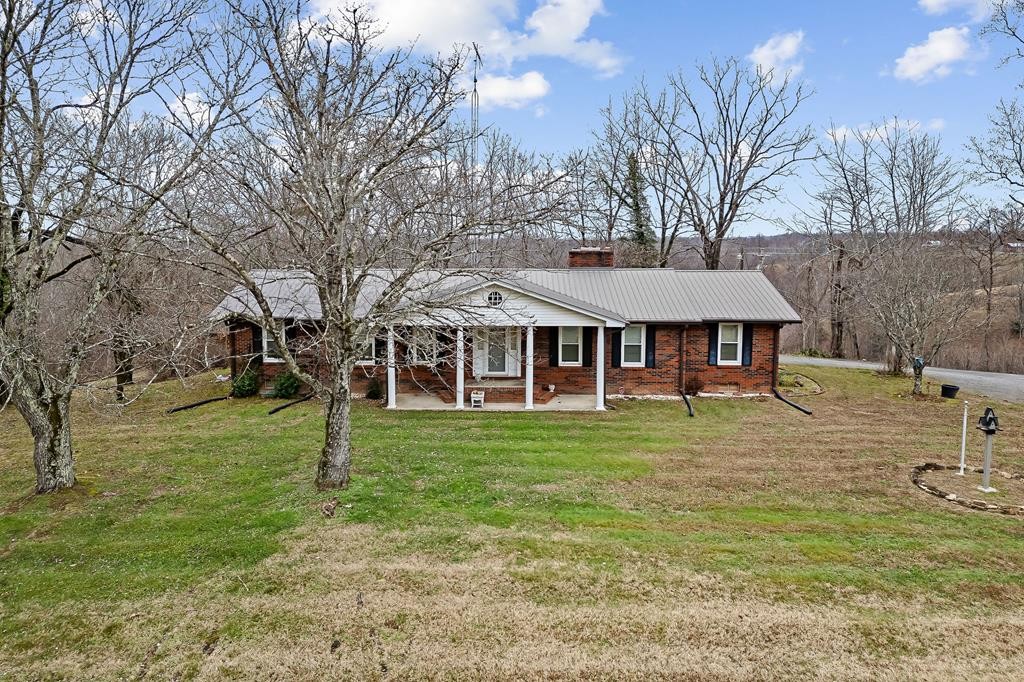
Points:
x=495, y=298
x=422, y=347
x=569, y=346
x=729, y=338
x=271, y=351
x=369, y=354
x=633, y=345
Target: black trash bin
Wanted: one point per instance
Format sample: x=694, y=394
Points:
x=949, y=390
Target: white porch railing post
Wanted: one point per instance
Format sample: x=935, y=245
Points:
x=392, y=382
x=599, y=404
x=460, y=369
x=529, y=368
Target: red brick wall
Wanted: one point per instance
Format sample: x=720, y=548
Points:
x=757, y=378
x=592, y=257
x=663, y=379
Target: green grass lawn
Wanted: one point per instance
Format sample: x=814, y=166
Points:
x=632, y=543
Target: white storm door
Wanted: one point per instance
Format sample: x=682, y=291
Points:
x=501, y=352
x=497, y=352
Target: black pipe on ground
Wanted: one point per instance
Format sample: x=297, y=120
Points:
x=290, y=404
x=686, y=399
x=181, y=408
x=789, y=402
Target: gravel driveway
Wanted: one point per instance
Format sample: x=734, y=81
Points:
x=993, y=384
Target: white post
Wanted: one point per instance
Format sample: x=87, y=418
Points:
x=529, y=368
x=392, y=383
x=963, y=444
x=460, y=369
x=600, y=369
x=986, y=475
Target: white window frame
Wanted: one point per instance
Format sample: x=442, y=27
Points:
x=412, y=347
x=738, y=343
x=373, y=359
x=579, y=345
x=267, y=357
x=643, y=347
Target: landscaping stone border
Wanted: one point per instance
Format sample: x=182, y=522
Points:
x=918, y=472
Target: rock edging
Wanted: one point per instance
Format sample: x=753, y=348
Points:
x=917, y=473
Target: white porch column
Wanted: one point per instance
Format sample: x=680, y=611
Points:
x=392, y=382
x=529, y=368
x=599, y=403
x=460, y=369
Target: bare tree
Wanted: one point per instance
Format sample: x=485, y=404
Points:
x=903, y=191
x=1005, y=22
x=987, y=233
x=353, y=172
x=83, y=171
x=999, y=156
x=712, y=153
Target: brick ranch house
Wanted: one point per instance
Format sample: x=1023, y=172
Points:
x=588, y=331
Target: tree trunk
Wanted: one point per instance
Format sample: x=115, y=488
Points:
x=918, y=376
x=336, y=457
x=838, y=301
x=124, y=370
x=49, y=420
x=712, y=254
x=896, y=360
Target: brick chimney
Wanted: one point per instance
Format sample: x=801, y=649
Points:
x=591, y=257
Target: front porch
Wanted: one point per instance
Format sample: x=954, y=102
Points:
x=501, y=363
x=560, y=403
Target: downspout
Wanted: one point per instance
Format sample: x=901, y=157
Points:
x=775, y=356
x=682, y=369
x=232, y=350
x=775, y=375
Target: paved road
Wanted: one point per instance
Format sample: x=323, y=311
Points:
x=993, y=384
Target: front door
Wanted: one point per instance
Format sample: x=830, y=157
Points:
x=500, y=350
x=497, y=352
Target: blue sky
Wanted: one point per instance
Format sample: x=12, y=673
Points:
x=551, y=64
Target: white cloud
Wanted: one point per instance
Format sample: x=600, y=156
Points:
x=935, y=57
x=977, y=10
x=514, y=92
x=190, y=107
x=886, y=128
x=556, y=28
x=780, y=53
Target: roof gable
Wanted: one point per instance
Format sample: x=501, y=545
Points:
x=614, y=295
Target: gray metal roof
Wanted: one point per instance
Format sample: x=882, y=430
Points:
x=631, y=294
x=664, y=295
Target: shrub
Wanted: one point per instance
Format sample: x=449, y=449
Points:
x=245, y=384
x=286, y=385
x=813, y=353
x=374, y=391
x=693, y=385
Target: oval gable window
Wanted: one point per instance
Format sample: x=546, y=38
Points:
x=494, y=298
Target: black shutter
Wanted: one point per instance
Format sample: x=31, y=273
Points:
x=444, y=348
x=748, y=344
x=380, y=351
x=712, y=344
x=588, y=346
x=650, y=345
x=291, y=335
x=553, y=347
x=617, y=348
x=257, y=341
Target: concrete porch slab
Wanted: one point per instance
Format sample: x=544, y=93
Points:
x=561, y=403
